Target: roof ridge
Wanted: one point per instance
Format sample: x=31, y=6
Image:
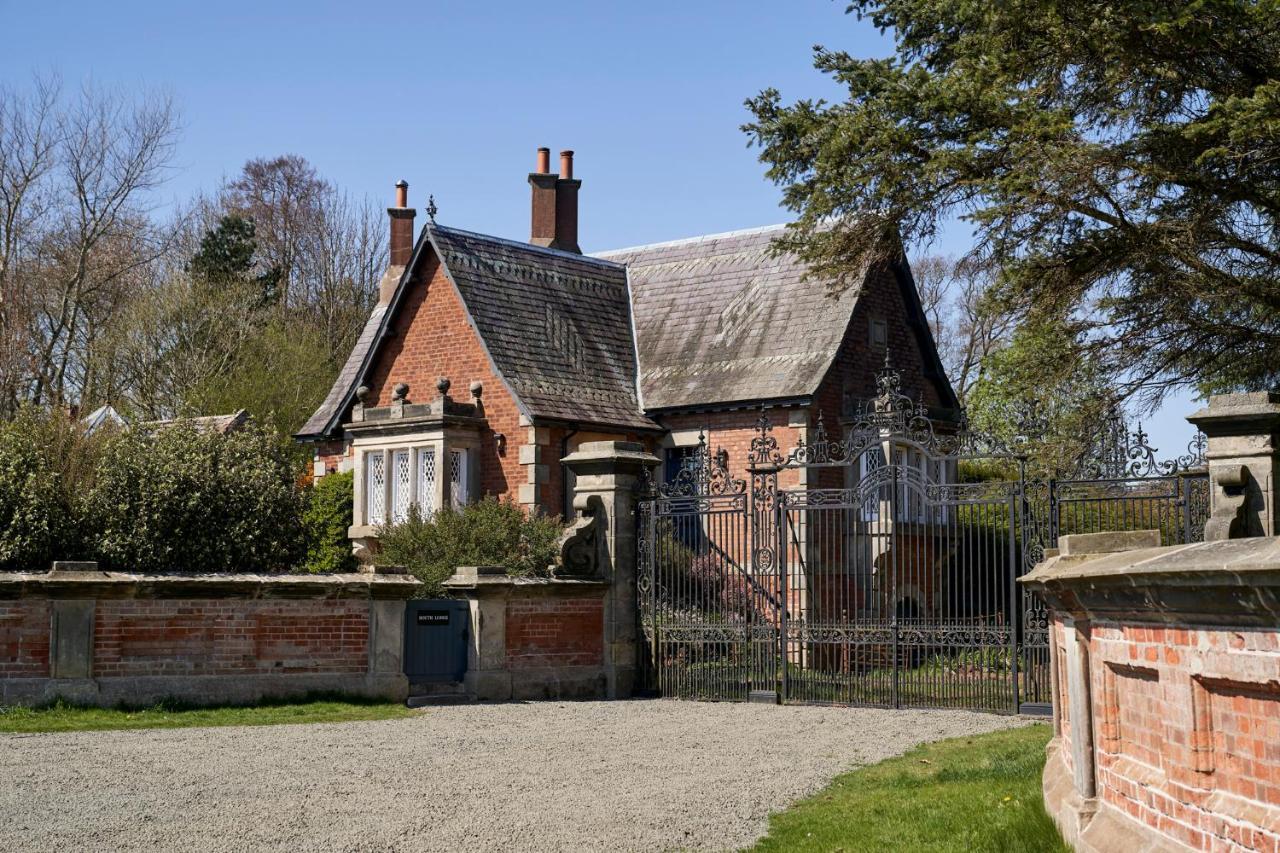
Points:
x=741, y=232
x=522, y=245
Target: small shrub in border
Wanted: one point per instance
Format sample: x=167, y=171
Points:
x=326, y=515
x=487, y=533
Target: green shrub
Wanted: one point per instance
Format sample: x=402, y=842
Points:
x=326, y=515
x=487, y=533
x=45, y=469
x=181, y=499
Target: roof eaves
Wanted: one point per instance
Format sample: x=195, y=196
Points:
x=652, y=426
x=733, y=405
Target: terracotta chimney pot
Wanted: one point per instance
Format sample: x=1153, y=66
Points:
x=544, y=161
x=566, y=165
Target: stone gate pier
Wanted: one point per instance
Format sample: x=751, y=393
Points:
x=1166, y=664
x=572, y=635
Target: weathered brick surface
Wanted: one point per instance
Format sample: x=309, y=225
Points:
x=229, y=637
x=1187, y=731
x=433, y=338
x=554, y=631
x=853, y=371
x=24, y=639
x=330, y=455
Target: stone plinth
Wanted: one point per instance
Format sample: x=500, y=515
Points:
x=1166, y=672
x=607, y=474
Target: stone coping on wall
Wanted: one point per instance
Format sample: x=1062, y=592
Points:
x=1232, y=582
x=81, y=582
x=494, y=580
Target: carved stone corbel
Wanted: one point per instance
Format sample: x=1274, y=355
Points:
x=580, y=545
x=1230, y=519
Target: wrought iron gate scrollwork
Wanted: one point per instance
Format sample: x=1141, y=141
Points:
x=864, y=567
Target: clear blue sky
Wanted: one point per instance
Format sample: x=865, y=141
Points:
x=455, y=97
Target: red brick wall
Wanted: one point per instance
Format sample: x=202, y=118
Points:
x=856, y=363
x=557, y=631
x=1187, y=731
x=229, y=637
x=734, y=431
x=432, y=339
x=24, y=639
x=331, y=454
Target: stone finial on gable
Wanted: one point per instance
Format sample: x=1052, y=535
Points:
x=399, y=399
x=362, y=400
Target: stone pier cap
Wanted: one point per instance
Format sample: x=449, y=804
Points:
x=623, y=452
x=1232, y=582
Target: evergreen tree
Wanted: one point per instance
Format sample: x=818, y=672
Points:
x=227, y=256
x=1120, y=163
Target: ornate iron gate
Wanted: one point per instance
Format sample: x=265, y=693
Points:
x=864, y=570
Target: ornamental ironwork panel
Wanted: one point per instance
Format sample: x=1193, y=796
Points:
x=866, y=564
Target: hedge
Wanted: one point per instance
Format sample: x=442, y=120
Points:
x=172, y=499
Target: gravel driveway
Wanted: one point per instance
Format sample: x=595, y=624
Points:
x=640, y=775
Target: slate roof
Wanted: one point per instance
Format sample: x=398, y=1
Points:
x=721, y=319
x=718, y=320
x=102, y=415
x=557, y=326
x=205, y=423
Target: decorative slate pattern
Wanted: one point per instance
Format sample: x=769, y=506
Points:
x=557, y=325
x=721, y=319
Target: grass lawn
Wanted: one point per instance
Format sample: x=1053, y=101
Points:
x=62, y=717
x=979, y=793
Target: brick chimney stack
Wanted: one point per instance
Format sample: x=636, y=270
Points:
x=555, y=203
x=401, y=226
x=401, y=242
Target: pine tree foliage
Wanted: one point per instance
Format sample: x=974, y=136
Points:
x=1120, y=163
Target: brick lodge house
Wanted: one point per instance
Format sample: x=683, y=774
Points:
x=488, y=360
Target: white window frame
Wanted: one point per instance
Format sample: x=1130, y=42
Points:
x=426, y=489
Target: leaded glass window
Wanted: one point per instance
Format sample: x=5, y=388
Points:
x=375, y=487
x=458, y=478
x=872, y=459
x=427, y=481
x=401, y=482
